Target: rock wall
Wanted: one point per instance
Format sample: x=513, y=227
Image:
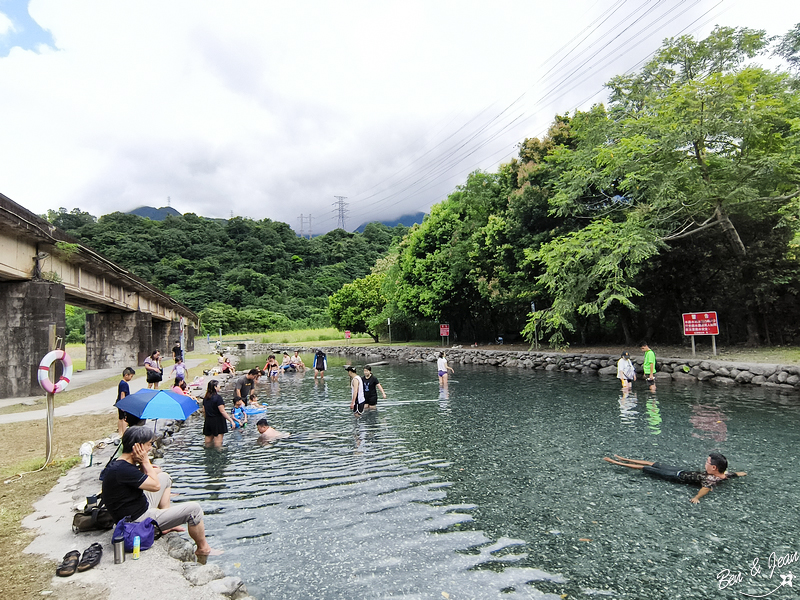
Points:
x=718, y=372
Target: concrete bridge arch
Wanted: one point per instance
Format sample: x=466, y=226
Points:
x=42, y=269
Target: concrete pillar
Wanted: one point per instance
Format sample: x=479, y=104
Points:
x=26, y=310
x=166, y=332
x=118, y=339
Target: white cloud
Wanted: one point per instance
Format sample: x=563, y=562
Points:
x=270, y=109
x=6, y=26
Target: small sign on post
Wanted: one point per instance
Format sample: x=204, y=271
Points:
x=444, y=332
x=703, y=323
x=347, y=335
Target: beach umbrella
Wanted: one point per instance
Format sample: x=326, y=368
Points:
x=158, y=404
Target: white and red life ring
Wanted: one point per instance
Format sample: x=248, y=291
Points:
x=44, y=370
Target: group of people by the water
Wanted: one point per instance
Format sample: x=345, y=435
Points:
x=626, y=372
x=716, y=465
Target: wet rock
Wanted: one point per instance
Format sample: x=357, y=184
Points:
x=203, y=574
x=744, y=377
x=758, y=380
x=703, y=375
x=227, y=586
x=609, y=370
x=723, y=381
x=683, y=377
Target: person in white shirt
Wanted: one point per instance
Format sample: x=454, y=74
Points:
x=625, y=370
x=442, y=366
x=357, y=400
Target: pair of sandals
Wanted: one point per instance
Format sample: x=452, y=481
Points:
x=73, y=561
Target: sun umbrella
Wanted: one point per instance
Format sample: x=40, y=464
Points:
x=158, y=404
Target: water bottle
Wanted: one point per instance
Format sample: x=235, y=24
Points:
x=137, y=542
x=119, y=550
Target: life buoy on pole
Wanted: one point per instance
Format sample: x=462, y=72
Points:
x=44, y=370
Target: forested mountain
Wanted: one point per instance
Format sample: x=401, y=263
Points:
x=681, y=195
x=240, y=274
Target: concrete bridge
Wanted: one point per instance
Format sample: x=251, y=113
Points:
x=42, y=269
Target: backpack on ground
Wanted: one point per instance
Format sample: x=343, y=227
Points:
x=94, y=517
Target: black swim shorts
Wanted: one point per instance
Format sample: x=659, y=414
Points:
x=359, y=408
x=663, y=471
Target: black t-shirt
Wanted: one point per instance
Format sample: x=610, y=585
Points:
x=370, y=388
x=121, y=492
x=123, y=387
x=176, y=352
x=245, y=386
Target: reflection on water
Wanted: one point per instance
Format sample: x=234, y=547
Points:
x=627, y=407
x=653, y=415
x=494, y=488
x=709, y=421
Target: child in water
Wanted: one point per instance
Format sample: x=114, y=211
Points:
x=238, y=413
x=714, y=472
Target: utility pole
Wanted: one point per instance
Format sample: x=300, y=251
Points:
x=168, y=201
x=302, y=219
x=309, y=225
x=342, y=206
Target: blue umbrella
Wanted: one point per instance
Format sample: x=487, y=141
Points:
x=158, y=404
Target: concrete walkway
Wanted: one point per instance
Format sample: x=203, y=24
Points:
x=100, y=403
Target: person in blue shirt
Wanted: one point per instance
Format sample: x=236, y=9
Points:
x=238, y=414
x=123, y=390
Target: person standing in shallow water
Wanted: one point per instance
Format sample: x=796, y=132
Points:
x=649, y=364
x=371, y=387
x=443, y=368
x=217, y=418
x=625, y=370
x=357, y=386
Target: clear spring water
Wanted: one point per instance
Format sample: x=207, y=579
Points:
x=496, y=488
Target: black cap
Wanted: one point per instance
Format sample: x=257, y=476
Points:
x=350, y=368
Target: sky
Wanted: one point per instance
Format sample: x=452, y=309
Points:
x=266, y=109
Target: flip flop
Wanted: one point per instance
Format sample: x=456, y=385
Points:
x=68, y=565
x=91, y=557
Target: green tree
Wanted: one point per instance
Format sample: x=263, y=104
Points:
x=695, y=143
x=356, y=305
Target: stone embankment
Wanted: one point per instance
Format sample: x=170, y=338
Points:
x=718, y=372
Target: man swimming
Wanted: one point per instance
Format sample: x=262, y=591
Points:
x=714, y=473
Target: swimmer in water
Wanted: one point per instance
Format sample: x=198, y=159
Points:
x=714, y=472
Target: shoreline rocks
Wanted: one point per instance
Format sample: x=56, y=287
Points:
x=784, y=378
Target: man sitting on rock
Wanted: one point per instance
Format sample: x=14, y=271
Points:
x=137, y=489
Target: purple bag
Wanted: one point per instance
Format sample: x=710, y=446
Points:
x=147, y=530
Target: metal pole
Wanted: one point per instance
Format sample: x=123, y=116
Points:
x=714, y=344
x=48, y=442
x=692, y=345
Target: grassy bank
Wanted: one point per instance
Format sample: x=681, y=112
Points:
x=22, y=447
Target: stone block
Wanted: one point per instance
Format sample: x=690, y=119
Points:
x=227, y=586
x=723, y=381
x=203, y=574
x=704, y=375
x=683, y=377
x=744, y=377
x=758, y=380
x=609, y=370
